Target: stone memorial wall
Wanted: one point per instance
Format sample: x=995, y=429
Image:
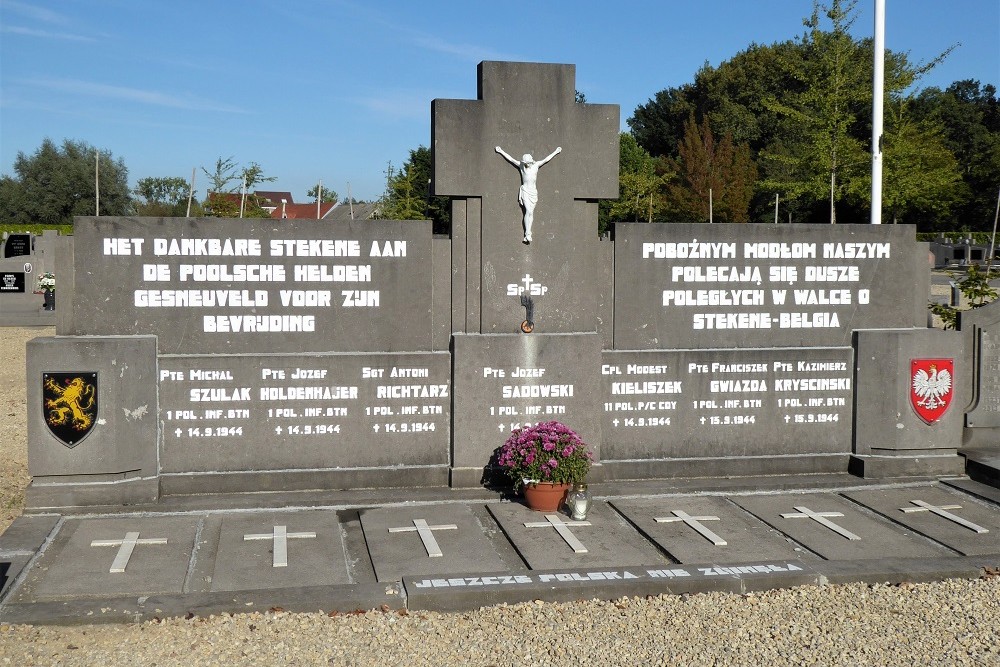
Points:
x=309, y=354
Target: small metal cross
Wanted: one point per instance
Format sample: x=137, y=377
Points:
x=426, y=535
x=921, y=506
x=694, y=522
x=280, y=537
x=555, y=521
x=125, y=548
x=821, y=518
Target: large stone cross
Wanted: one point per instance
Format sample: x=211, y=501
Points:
x=525, y=108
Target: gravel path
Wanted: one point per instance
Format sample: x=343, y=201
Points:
x=944, y=623
x=13, y=420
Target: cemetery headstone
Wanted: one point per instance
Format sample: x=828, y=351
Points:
x=17, y=245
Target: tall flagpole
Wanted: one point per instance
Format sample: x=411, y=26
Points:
x=878, y=91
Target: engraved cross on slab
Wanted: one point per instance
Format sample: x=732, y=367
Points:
x=280, y=537
x=694, y=522
x=426, y=535
x=940, y=510
x=555, y=521
x=821, y=518
x=125, y=548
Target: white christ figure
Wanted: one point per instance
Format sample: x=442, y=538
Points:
x=527, y=196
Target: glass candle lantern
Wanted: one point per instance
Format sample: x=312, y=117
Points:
x=578, y=502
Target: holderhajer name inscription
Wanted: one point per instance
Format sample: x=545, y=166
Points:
x=278, y=407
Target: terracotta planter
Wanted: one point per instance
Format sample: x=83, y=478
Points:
x=545, y=496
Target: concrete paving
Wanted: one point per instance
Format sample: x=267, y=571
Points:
x=461, y=551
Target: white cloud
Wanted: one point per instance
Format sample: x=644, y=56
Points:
x=397, y=104
x=34, y=13
x=469, y=52
x=45, y=34
x=149, y=97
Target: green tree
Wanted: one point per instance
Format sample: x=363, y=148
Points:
x=407, y=193
x=227, y=205
x=56, y=183
x=969, y=115
x=823, y=125
x=161, y=196
x=328, y=195
x=403, y=198
x=223, y=200
x=658, y=125
x=640, y=187
x=226, y=171
x=921, y=179
x=252, y=176
x=711, y=171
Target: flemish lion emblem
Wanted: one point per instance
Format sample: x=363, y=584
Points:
x=69, y=402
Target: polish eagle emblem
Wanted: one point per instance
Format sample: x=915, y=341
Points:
x=932, y=384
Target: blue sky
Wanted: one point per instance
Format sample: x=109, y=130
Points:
x=334, y=90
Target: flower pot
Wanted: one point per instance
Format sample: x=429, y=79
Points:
x=545, y=496
x=50, y=300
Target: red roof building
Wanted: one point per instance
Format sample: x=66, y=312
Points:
x=287, y=210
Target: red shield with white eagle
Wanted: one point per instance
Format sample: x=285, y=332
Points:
x=932, y=386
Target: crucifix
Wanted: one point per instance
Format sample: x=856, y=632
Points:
x=694, y=522
x=279, y=536
x=125, y=548
x=523, y=107
x=940, y=510
x=563, y=528
x=821, y=518
x=426, y=535
x=527, y=196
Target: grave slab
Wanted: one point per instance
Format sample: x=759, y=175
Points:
x=977, y=489
x=428, y=540
x=966, y=525
x=609, y=540
x=836, y=528
x=283, y=550
x=27, y=533
x=744, y=537
x=72, y=568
